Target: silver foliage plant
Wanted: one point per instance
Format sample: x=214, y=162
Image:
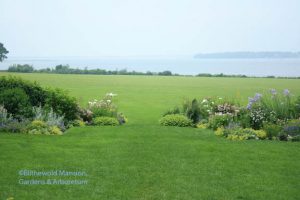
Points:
x=50, y=117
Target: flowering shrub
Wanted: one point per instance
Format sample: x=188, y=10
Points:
x=86, y=115
x=104, y=108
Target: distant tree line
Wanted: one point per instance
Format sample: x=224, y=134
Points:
x=66, y=69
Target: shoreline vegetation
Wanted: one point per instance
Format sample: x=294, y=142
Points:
x=66, y=69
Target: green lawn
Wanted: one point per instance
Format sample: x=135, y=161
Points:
x=142, y=160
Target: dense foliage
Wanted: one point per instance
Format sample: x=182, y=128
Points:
x=175, y=120
x=29, y=108
x=23, y=101
x=105, y=121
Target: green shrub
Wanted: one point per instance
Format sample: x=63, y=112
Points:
x=105, y=121
x=176, y=120
x=54, y=130
x=243, y=118
x=272, y=130
x=202, y=125
x=62, y=104
x=217, y=121
x=240, y=133
x=16, y=102
x=37, y=95
x=261, y=134
x=37, y=124
x=78, y=122
x=18, y=96
x=41, y=127
x=219, y=132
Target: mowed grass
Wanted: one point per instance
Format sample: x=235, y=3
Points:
x=142, y=160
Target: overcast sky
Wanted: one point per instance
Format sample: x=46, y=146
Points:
x=147, y=27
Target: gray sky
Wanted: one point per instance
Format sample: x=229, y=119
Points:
x=152, y=27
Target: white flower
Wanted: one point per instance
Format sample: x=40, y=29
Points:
x=204, y=101
x=111, y=94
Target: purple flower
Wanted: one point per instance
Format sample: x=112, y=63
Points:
x=286, y=92
x=253, y=100
x=257, y=97
x=273, y=92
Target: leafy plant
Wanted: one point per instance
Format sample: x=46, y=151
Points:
x=50, y=117
x=37, y=95
x=192, y=110
x=62, y=104
x=217, y=121
x=176, y=120
x=16, y=102
x=105, y=121
x=272, y=130
x=219, y=132
x=78, y=122
x=41, y=127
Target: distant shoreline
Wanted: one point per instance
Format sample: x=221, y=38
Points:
x=249, y=55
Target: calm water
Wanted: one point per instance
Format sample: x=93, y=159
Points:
x=186, y=66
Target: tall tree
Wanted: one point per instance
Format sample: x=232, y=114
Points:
x=3, y=52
